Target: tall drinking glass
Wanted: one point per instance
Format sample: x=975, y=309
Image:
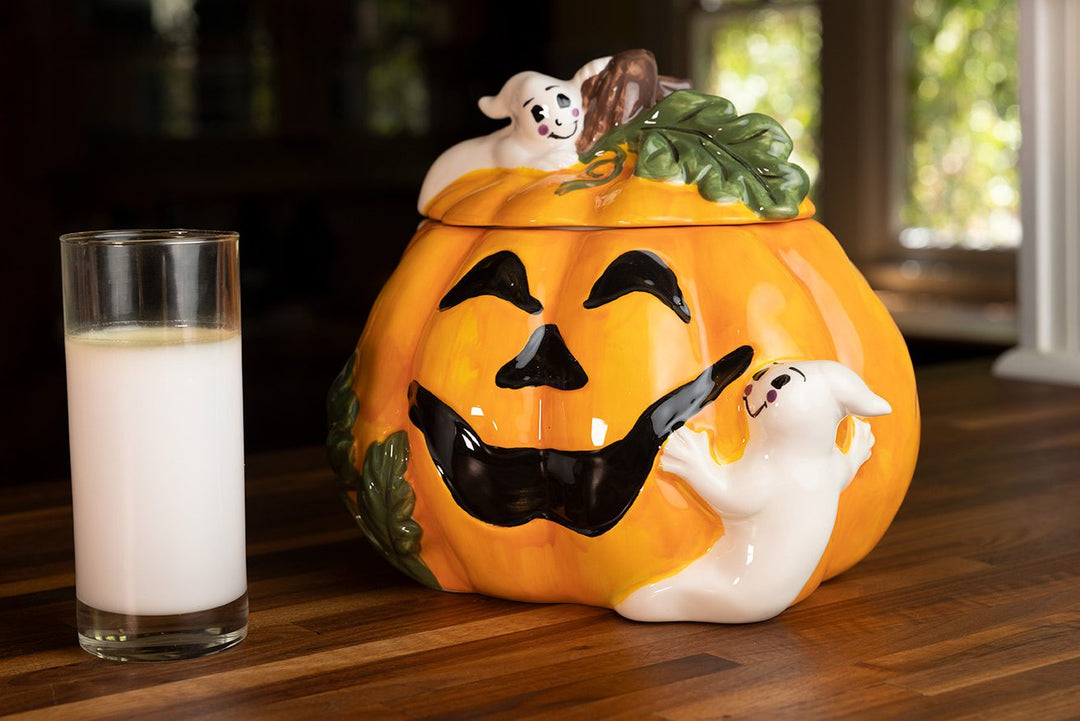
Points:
x=152, y=339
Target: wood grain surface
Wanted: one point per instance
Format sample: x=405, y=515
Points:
x=969, y=607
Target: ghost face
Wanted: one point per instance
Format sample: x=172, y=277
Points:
x=803, y=401
x=552, y=113
x=545, y=112
x=767, y=386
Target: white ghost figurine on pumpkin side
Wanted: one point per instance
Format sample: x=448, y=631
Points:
x=778, y=502
x=546, y=116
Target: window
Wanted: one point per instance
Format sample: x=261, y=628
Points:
x=963, y=126
x=913, y=112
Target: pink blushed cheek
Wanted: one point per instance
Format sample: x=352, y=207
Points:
x=748, y=390
x=543, y=130
x=575, y=112
x=770, y=396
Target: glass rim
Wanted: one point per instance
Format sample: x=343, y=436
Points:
x=171, y=236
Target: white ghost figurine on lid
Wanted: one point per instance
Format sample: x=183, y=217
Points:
x=546, y=116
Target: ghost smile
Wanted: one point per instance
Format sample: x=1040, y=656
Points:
x=573, y=132
x=586, y=491
x=754, y=414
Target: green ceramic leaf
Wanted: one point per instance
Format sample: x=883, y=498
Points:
x=384, y=499
x=341, y=409
x=694, y=138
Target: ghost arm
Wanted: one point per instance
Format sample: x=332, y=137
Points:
x=858, y=452
x=687, y=454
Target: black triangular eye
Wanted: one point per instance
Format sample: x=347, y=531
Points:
x=562, y=100
x=539, y=112
x=639, y=270
x=502, y=275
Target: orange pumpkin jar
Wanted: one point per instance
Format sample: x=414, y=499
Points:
x=501, y=426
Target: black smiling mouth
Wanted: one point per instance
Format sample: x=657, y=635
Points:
x=586, y=491
x=564, y=137
x=753, y=414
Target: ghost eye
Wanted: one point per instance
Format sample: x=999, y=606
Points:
x=539, y=112
x=780, y=381
x=562, y=100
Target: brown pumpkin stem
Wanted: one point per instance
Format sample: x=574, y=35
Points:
x=627, y=85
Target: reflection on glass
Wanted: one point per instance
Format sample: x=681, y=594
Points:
x=399, y=97
x=182, y=68
x=388, y=75
x=175, y=23
x=263, y=61
x=963, y=126
x=764, y=58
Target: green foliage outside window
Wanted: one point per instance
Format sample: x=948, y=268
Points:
x=963, y=126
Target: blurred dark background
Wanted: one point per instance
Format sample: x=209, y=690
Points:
x=305, y=126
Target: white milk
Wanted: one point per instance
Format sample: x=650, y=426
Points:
x=157, y=465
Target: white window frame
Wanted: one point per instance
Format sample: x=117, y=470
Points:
x=1049, y=348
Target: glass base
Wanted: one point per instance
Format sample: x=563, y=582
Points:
x=125, y=637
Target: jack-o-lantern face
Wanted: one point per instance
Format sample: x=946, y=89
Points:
x=587, y=491
x=537, y=372
x=511, y=423
x=551, y=426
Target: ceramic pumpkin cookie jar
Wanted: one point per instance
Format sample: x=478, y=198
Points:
x=620, y=364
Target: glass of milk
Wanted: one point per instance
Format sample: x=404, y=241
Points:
x=152, y=340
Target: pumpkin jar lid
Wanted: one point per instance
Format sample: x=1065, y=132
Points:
x=616, y=146
x=523, y=197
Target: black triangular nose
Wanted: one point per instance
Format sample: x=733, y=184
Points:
x=544, y=361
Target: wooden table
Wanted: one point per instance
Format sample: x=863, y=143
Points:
x=970, y=605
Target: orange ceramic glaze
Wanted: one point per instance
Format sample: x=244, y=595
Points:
x=521, y=198
x=647, y=380
x=785, y=289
